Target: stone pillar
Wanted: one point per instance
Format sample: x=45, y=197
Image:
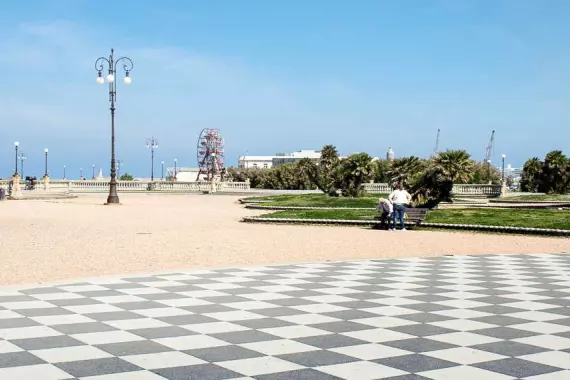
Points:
x=16, y=189
x=46, y=183
x=504, y=188
x=213, y=185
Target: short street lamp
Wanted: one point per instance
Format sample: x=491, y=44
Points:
x=489, y=171
x=152, y=144
x=175, y=168
x=64, y=167
x=16, y=145
x=46, y=162
x=503, y=174
x=22, y=158
x=80, y=173
x=162, y=171
x=111, y=64
x=93, y=171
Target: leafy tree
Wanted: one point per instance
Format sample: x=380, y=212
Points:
x=126, y=177
x=381, y=168
x=455, y=165
x=531, y=173
x=482, y=174
x=555, y=173
x=431, y=187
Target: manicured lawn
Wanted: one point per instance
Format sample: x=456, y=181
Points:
x=319, y=200
x=559, y=219
x=538, y=197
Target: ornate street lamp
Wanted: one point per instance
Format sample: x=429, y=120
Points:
x=22, y=158
x=162, y=171
x=16, y=145
x=111, y=64
x=503, y=156
x=64, y=167
x=93, y=171
x=152, y=144
x=46, y=162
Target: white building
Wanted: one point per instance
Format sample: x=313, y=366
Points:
x=185, y=174
x=266, y=162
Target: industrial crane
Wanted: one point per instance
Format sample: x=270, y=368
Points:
x=489, y=150
x=435, y=150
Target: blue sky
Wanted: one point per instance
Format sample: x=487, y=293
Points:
x=283, y=75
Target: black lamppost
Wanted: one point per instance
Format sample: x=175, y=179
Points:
x=162, y=171
x=46, y=162
x=175, y=171
x=22, y=158
x=503, y=175
x=93, y=171
x=127, y=64
x=16, y=145
x=152, y=144
x=80, y=173
x=64, y=167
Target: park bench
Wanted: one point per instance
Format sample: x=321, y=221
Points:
x=414, y=217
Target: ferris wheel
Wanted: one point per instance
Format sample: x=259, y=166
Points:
x=210, y=153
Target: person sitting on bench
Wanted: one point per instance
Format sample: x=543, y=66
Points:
x=385, y=207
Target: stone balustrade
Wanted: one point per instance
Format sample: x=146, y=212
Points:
x=94, y=186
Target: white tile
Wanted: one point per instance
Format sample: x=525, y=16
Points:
x=319, y=308
x=370, y=351
x=277, y=288
x=139, y=323
x=558, y=359
x=259, y=366
x=344, y=284
x=377, y=335
x=394, y=301
x=179, y=277
x=120, y=299
x=182, y=302
x=463, y=325
x=214, y=327
x=219, y=286
x=57, y=296
x=107, y=337
x=232, y=279
x=250, y=305
x=461, y=313
x=551, y=342
x=191, y=342
x=385, y=322
x=293, y=332
x=141, y=291
x=289, y=281
x=135, y=375
x=27, y=332
x=162, y=284
x=203, y=293
x=238, y=315
x=40, y=371
x=6, y=347
x=542, y=327
x=52, y=320
x=279, y=347
x=308, y=319
x=390, y=310
x=95, y=308
x=9, y=314
x=462, y=304
x=27, y=305
x=338, y=290
x=525, y=296
x=536, y=316
x=464, y=355
x=530, y=305
x=163, y=360
x=331, y=298
x=463, y=338
x=265, y=296
x=397, y=293
x=463, y=373
x=559, y=375
x=70, y=354
x=361, y=371
x=162, y=312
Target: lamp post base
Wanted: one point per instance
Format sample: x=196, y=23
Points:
x=113, y=200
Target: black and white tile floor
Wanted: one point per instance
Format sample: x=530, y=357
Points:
x=450, y=318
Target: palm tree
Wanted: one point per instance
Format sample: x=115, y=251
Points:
x=353, y=172
x=325, y=175
x=403, y=170
x=456, y=165
x=531, y=175
x=555, y=172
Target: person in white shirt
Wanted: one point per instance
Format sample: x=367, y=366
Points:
x=400, y=198
x=385, y=207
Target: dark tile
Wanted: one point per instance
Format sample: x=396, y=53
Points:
x=133, y=348
x=47, y=342
x=143, y=279
x=16, y=298
x=263, y=323
x=277, y=312
x=161, y=332
x=407, y=377
x=428, y=298
x=76, y=302
x=358, y=304
x=101, y=293
x=223, y=353
x=363, y=296
x=312, y=285
x=114, y=316
x=81, y=328
x=225, y=299
x=508, y=348
x=41, y=290
x=17, y=322
x=415, y=363
x=348, y=315
x=95, y=367
x=517, y=367
x=302, y=293
x=562, y=311
x=425, y=317
x=419, y=345
x=563, y=321
x=181, y=288
x=493, y=300
x=161, y=296
x=197, y=372
x=422, y=330
x=138, y=305
x=330, y=341
x=426, y=307
x=204, y=309
x=43, y=312
x=497, y=309
x=301, y=374
x=247, y=336
x=501, y=320
x=17, y=359
x=341, y=326
x=180, y=320
x=291, y=302
x=238, y=291
x=562, y=302
x=505, y=333
x=317, y=358
x=125, y=285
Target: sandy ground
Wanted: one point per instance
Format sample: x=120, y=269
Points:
x=66, y=239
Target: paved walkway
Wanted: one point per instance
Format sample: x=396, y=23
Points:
x=449, y=318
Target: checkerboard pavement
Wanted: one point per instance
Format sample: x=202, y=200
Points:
x=492, y=317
